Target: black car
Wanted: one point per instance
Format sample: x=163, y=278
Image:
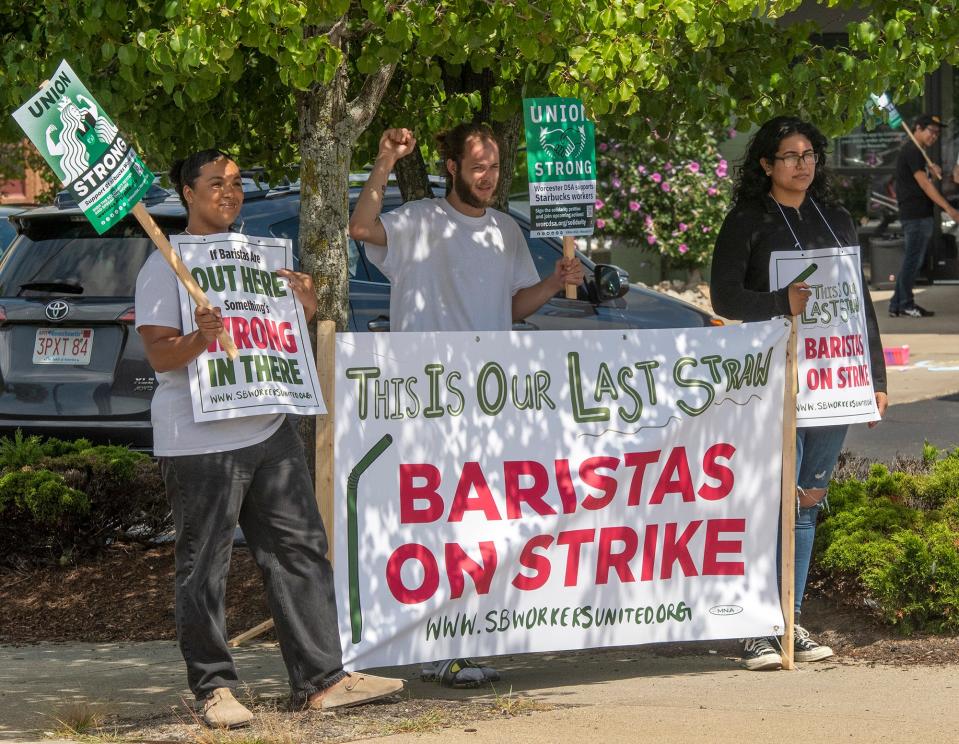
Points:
x=72, y=364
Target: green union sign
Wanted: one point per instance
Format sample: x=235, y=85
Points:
x=561, y=162
x=84, y=148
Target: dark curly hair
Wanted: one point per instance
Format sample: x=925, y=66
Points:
x=452, y=143
x=752, y=183
x=185, y=171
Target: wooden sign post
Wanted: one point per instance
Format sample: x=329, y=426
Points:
x=325, y=437
x=787, y=529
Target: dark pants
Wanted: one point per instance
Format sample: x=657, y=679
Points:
x=267, y=489
x=916, y=235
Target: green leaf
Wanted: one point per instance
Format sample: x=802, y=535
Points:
x=127, y=54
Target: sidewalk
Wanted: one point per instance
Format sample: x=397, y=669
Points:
x=613, y=695
x=923, y=395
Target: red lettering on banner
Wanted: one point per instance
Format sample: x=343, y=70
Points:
x=676, y=550
x=675, y=478
x=538, y=563
x=574, y=539
x=587, y=472
x=854, y=376
x=713, y=469
x=714, y=546
x=471, y=479
x=826, y=347
x=533, y=495
x=638, y=460
x=619, y=562
x=649, y=552
x=564, y=482
x=394, y=578
x=457, y=561
x=410, y=493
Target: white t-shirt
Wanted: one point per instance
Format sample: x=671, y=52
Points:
x=450, y=271
x=174, y=430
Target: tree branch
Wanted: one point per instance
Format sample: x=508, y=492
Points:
x=362, y=109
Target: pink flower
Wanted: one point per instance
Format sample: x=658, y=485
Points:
x=633, y=206
x=657, y=177
x=599, y=204
x=669, y=167
x=600, y=224
x=711, y=191
x=616, y=183
x=665, y=186
x=648, y=222
x=731, y=133
x=706, y=228
x=693, y=167
x=617, y=214
x=603, y=147
x=641, y=169
x=651, y=239
x=633, y=189
x=683, y=248
x=683, y=227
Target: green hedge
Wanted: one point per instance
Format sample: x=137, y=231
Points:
x=895, y=535
x=61, y=500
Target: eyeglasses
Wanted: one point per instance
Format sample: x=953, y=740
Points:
x=793, y=161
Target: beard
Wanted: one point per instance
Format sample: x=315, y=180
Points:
x=466, y=195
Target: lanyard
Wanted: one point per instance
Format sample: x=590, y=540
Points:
x=796, y=237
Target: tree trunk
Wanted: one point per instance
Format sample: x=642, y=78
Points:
x=329, y=125
x=412, y=177
x=509, y=133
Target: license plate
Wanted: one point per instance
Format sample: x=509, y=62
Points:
x=63, y=346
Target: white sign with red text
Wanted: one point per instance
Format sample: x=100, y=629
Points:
x=835, y=370
x=275, y=371
x=518, y=492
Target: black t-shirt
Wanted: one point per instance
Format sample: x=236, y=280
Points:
x=913, y=202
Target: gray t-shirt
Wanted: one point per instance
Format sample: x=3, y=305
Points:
x=450, y=271
x=175, y=432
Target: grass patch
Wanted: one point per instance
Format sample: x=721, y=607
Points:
x=511, y=705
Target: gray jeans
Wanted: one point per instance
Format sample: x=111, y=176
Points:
x=265, y=488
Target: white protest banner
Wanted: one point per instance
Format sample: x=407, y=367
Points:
x=508, y=492
x=835, y=371
x=275, y=371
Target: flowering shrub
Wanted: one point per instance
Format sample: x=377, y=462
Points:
x=674, y=203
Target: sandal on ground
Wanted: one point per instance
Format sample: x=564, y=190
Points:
x=459, y=673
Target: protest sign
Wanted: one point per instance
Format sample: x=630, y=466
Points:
x=104, y=175
x=504, y=492
x=835, y=370
x=884, y=103
x=84, y=148
x=275, y=371
x=561, y=163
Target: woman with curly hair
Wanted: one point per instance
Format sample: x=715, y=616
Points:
x=782, y=201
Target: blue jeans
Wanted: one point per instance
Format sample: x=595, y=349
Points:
x=916, y=235
x=817, y=450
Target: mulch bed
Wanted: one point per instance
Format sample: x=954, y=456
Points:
x=126, y=594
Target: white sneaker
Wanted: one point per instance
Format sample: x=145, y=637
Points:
x=759, y=655
x=806, y=649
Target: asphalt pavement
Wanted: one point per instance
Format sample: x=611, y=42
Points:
x=924, y=394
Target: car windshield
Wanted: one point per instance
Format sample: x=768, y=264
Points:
x=85, y=266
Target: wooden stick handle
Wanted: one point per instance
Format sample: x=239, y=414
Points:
x=569, y=251
x=247, y=635
x=921, y=149
x=156, y=235
x=787, y=565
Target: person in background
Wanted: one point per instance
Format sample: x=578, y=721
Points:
x=249, y=470
x=454, y=264
x=782, y=202
x=917, y=196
